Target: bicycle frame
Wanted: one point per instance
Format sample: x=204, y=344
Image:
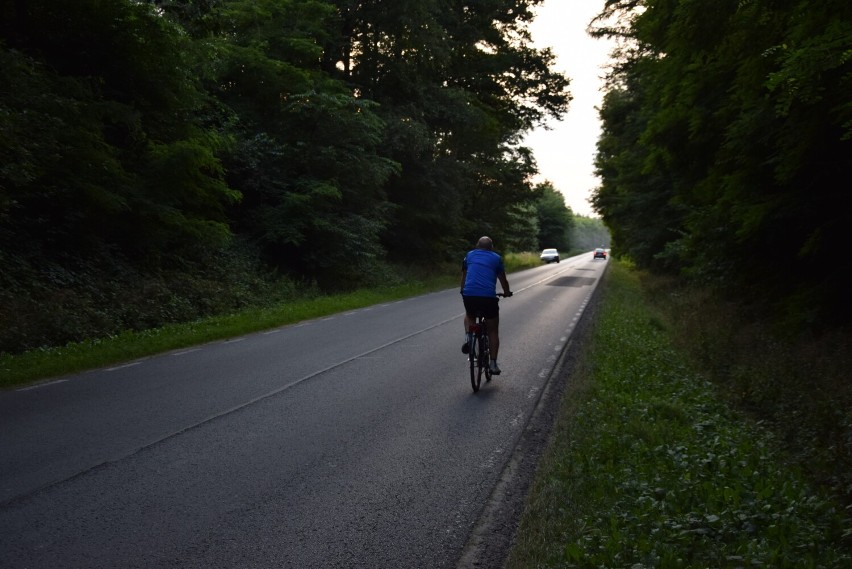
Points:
x=479, y=353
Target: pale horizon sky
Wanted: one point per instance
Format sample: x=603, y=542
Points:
x=565, y=154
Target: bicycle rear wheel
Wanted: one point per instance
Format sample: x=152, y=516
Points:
x=473, y=358
x=482, y=367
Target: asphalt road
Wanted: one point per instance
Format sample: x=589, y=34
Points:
x=349, y=441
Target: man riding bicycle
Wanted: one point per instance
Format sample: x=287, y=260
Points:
x=481, y=269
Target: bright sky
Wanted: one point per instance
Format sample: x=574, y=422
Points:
x=565, y=154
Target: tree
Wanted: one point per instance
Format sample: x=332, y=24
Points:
x=457, y=84
x=305, y=148
x=589, y=233
x=101, y=150
x=730, y=123
x=555, y=219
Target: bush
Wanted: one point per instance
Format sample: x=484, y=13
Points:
x=795, y=384
x=54, y=304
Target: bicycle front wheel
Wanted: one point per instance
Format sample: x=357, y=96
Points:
x=484, y=358
x=473, y=359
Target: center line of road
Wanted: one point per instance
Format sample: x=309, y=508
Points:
x=273, y=392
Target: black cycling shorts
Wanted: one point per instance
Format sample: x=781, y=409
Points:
x=484, y=305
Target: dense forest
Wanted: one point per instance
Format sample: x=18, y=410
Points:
x=725, y=153
x=170, y=159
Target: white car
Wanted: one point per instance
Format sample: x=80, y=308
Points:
x=550, y=256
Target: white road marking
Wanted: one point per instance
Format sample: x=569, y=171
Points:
x=123, y=366
x=186, y=352
x=31, y=387
x=491, y=461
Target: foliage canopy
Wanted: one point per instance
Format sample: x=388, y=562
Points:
x=327, y=136
x=725, y=147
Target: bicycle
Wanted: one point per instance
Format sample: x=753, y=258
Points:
x=479, y=353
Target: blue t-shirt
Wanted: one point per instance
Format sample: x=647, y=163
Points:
x=482, y=269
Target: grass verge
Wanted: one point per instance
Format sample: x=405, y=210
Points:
x=649, y=467
x=50, y=362
x=35, y=365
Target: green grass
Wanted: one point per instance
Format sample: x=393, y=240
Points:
x=649, y=466
x=50, y=362
x=517, y=261
x=35, y=365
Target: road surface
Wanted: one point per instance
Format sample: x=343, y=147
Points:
x=348, y=441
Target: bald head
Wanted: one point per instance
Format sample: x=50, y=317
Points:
x=485, y=243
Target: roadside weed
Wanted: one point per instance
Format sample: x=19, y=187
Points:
x=648, y=467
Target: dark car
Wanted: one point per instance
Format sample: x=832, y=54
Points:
x=550, y=256
x=600, y=254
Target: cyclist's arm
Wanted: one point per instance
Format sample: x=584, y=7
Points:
x=504, y=282
x=463, y=278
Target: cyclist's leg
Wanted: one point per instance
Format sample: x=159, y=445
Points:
x=469, y=319
x=467, y=336
x=493, y=336
x=493, y=322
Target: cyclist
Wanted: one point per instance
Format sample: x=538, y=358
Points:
x=481, y=269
